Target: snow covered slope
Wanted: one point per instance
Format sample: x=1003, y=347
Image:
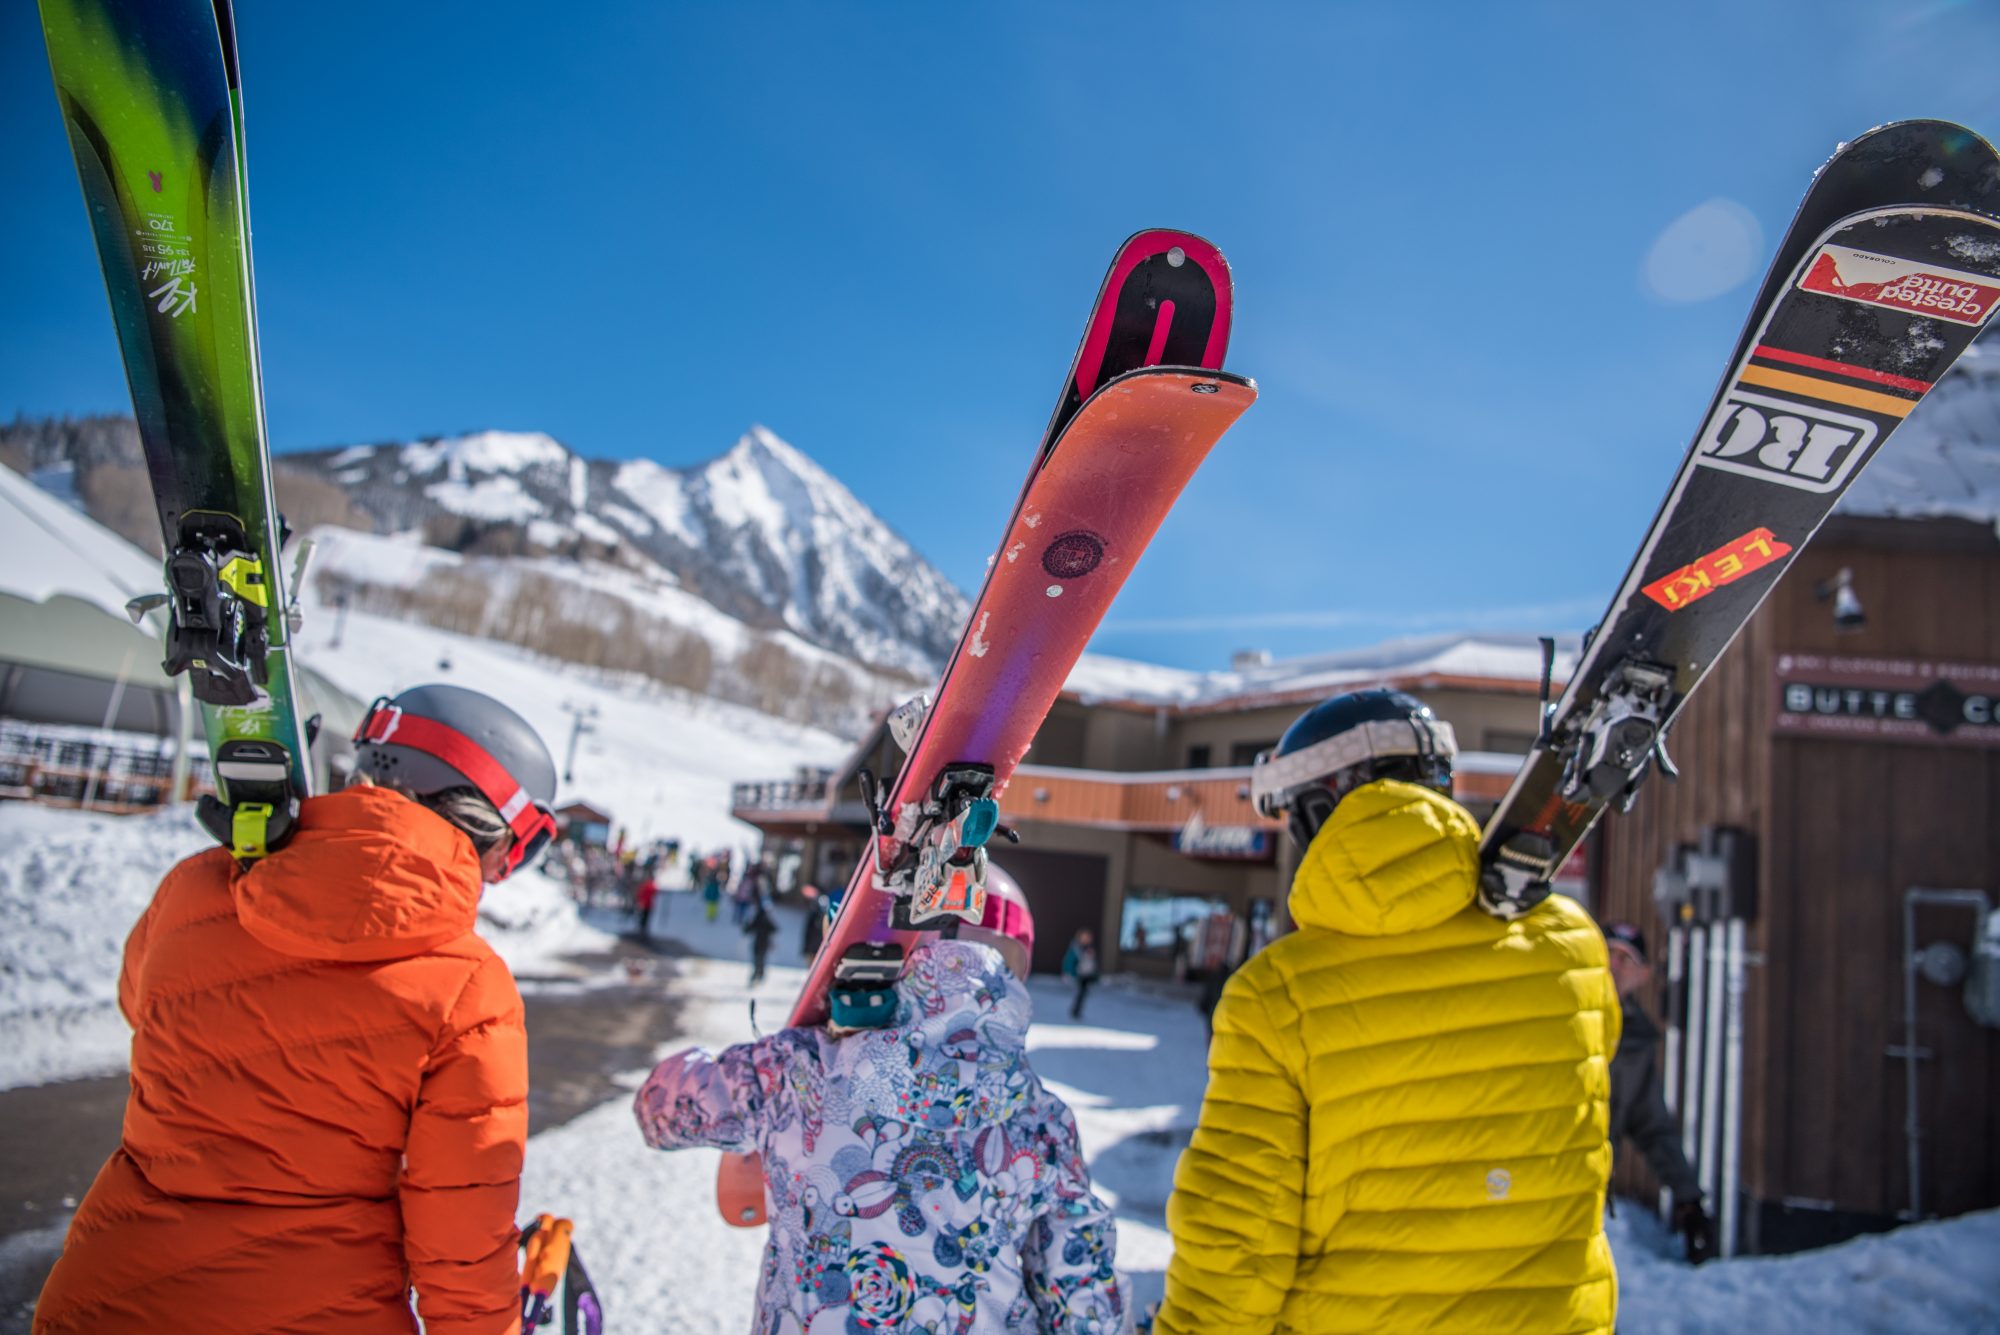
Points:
x=660, y=760
x=762, y=533
x=598, y=614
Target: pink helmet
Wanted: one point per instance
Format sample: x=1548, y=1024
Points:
x=1008, y=917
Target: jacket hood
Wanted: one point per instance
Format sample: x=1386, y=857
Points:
x=953, y=1059
x=1393, y=858
x=368, y=875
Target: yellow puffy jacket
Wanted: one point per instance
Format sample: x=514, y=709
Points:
x=1407, y=1103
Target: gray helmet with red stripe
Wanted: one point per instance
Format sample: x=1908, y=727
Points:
x=433, y=738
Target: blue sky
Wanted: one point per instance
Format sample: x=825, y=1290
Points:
x=1481, y=336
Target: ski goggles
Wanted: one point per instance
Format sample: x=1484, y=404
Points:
x=1275, y=779
x=531, y=822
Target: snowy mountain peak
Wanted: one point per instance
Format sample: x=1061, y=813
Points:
x=485, y=452
x=762, y=532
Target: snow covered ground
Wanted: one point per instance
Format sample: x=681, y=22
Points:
x=71, y=887
x=1133, y=1072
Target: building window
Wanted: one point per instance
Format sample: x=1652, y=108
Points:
x=1245, y=753
x=1192, y=932
x=1198, y=757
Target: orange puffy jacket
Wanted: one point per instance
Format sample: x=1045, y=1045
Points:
x=329, y=1096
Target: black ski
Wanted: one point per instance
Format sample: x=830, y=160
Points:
x=1888, y=273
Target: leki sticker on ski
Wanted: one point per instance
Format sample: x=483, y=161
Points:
x=1900, y=285
x=1725, y=565
x=1784, y=441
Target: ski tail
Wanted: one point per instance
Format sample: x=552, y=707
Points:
x=550, y=1262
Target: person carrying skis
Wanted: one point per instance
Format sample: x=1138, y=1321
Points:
x=1408, y=1098
x=760, y=929
x=1638, y=1112
x=919, y=1177
x=1079, y=964
x=329, y=1068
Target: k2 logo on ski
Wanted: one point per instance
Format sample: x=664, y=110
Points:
x=1901, y=285
x=1782, y=441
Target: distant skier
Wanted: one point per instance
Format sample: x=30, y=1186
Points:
x=1638, y=1112
x=711, y=887
x=1079, y=965
x=329, y=1069
x=760, y=929
x=920, y=1177
x=1405, y=1121
x=749, y=891
x=812, y=930
x=643, y=900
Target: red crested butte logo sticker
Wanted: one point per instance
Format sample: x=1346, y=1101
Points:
x=1901, y=285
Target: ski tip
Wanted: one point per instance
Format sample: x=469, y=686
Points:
x=1150, y=241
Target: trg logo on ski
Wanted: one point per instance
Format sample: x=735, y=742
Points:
x=1784, y=441
x=1901, y=285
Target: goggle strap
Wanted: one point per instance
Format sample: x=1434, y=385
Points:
x=1377, y=739
x=389, y=725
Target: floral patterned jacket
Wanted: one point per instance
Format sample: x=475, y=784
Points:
x=919, y=1177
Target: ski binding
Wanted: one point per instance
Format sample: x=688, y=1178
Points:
x=218, y=610
x=1609, y=752
x=936, y=856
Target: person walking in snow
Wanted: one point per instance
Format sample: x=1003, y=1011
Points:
x=329, y=1068
x=812, y=930
x=749, y=892
x=643, y=900
x=760, y=929
x=1408, y=1097
x=919, y=1177
x=1079, y=964
x=711, y=887
x=1638, y=1112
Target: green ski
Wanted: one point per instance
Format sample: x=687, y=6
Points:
x=151, y=100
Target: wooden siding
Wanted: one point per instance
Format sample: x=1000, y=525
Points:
x=1843, y=829
x=1121, y=803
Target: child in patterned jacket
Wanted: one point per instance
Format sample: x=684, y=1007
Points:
x=919, y=1177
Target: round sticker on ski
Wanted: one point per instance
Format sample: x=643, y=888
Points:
x=1073, y=555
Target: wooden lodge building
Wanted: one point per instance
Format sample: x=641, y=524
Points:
x=1134, y=803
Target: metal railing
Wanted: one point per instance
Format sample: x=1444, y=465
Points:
x=104, y=770
x=780, y=794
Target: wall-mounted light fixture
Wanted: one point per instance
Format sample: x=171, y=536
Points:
x=1848, y=614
